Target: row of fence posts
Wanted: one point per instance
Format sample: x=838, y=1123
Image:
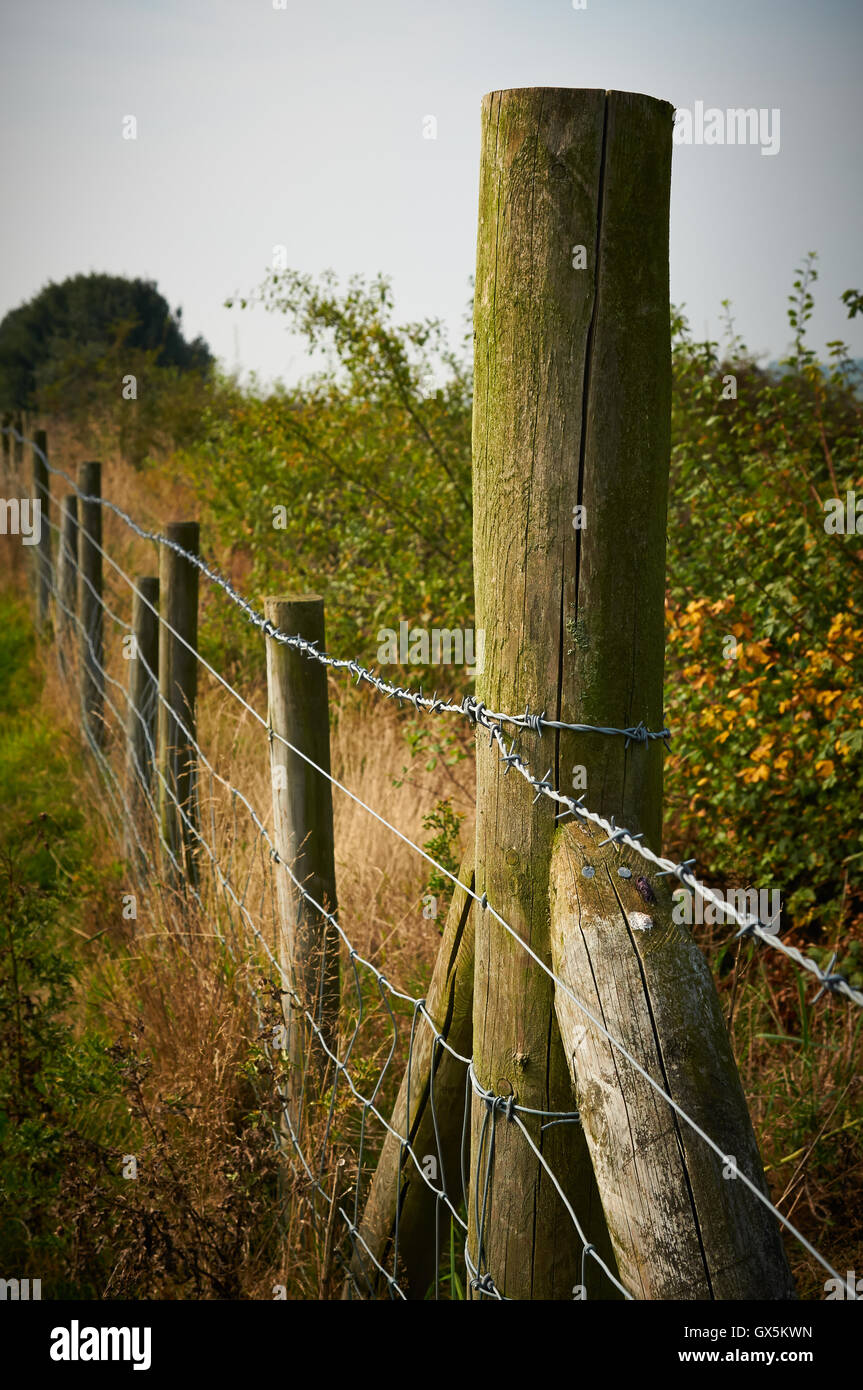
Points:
x=161, y=735
x=571, y=416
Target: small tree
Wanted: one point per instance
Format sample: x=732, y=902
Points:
x=86, y=314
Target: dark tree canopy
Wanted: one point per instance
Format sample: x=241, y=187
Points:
x=91, y=313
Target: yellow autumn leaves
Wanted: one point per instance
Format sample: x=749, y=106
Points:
x=817, y=688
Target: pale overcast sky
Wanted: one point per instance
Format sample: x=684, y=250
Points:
x=303, y=126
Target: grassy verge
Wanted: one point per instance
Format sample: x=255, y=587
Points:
x=135, y=1160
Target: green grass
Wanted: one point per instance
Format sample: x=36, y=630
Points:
x=55, y=1080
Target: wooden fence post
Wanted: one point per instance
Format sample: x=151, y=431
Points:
x=67, y=575
x=42, y=495
x=18, y=450
x=90, y=601
x=682, y=1226
x=571, y=448
x=143, y=696
x=543, y=177
x=178, y=687
x=303, y=825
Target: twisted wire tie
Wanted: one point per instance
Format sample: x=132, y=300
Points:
x=677, y=870
x=484, y=1283
x=618, y=834
x=533, y=721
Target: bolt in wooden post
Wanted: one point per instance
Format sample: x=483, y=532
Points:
x=67, y=575
x=178, y=686
x=90, y=601
x=143, y=696
x=303, y=824
x=42, y=496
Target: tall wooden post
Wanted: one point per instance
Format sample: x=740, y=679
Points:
x=42, y=495
x=178, y=686
x=303, y=823
x=90, y=600
x=682, y=1225
x=571, y=446
x=572, y=365
x=67, y=574
x=143, y=693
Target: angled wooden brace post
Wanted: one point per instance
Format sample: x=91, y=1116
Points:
x=405, y=1226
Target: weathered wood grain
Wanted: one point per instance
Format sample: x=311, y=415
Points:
x=308, y=946
x=571, y=408
x=67, y=577
x=44, y=562
x=682, y=1226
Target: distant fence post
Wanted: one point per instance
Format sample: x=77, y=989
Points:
x=7, y=451
x=67, y=575
x=90, y=601
x=143, y=696
x=42, y=495
x=178, y=686
x=303, y=823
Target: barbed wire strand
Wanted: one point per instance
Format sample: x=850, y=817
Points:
x=828, y=980
x=749, y=927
